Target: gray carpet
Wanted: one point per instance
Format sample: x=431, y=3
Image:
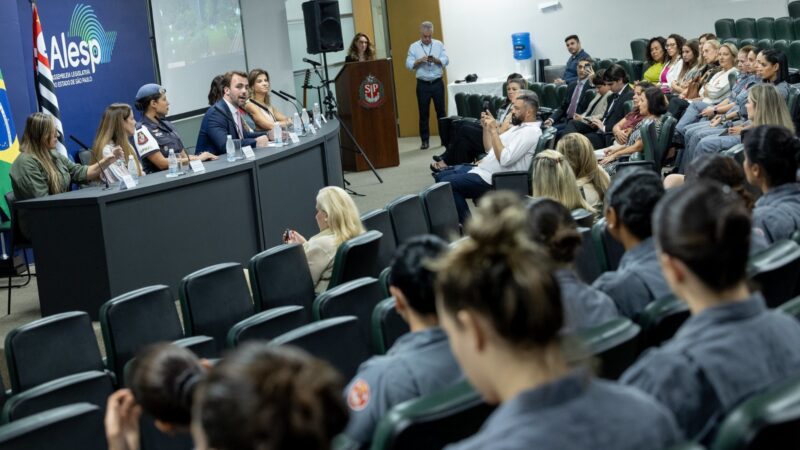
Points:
x=410, y=177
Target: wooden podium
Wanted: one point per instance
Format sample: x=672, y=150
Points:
x=365, y=94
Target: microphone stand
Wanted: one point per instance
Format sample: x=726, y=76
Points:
x=92, y=157
x=286, y=99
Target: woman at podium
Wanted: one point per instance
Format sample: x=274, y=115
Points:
x=361, y=49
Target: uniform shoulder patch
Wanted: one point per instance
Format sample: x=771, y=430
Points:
x=358, y=397
x=141, y=138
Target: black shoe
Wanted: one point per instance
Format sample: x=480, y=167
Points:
x=437, y=158
x=424, y=145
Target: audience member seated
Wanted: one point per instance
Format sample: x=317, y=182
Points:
x=773, y=67
x=656, y=59
x=576, y=54
x=162, y=382
x=732, y=346
x=583, y=122
x=420, y=362
x=216, y=90
x=716, y=89
x=708, y=68
x=690, y=55
x=771, y=156
x=338, y=221
x=629, y=206
x=259, y=107
x=728, y=172
x=592, y=180
x=224, y=119
x=729, y=109
x=40, y=170
x=622, y=130
x=764, y=107
x=551, y=225
x=467, y=142
x=553, y=178
x=501, y=309
x=574, y=100
x=674, y=63
x=513, y=150
x=596, y=131
x=114, y=132
x=652, y=105
x=361, y=49
x=262, y=397
x=155, y=135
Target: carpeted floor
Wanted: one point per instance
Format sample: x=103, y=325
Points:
x=410, y=177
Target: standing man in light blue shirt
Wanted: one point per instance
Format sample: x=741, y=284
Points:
x=428, y=58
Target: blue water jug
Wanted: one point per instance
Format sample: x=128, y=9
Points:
x=522, y=46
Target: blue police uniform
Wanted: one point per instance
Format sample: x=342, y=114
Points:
x=577, y=412
x=718, y=358
x=584, y=306
x=777, y=213
x=637, y=281
x=165, y=135
x=418, y=364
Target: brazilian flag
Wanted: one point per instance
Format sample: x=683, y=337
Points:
x=9, y=145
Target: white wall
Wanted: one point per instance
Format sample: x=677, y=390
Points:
x=477, y=33
x=266, y=40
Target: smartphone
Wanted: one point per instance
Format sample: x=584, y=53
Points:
x=286, y=233
x=486, y=106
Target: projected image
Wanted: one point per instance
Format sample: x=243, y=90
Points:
x=195, y=40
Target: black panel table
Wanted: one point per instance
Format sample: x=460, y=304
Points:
x=93, y=244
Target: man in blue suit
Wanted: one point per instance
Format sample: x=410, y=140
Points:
x=225, y=118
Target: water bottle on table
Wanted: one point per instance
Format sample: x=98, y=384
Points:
x=317, y=116
x=304, y=116
x=173, y=164
x=278, y=132
x=297, y=124
x=230, y=149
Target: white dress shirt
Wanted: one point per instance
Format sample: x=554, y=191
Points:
x=519, y=142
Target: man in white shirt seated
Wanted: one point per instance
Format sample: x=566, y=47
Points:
x=513, y=150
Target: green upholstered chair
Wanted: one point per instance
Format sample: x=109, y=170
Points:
x=783, y=29
x=440, y=211
x=792, y=307
x=776, y=270
x=639, y=49
x=339, y=340
x=354, y=298
x=75, y=426
x=607, y=249
x=356, y=258
x=267, y=325
x=661, y=319
x=433, y=421
x=475, y=105
x=769, y=420
x=794, y=9
x=408, y=217
x=383, y=278
x=461, y=105
x=549, y=98
x=387, y=326
x=725, y=28
x=794, y=52
x=765, y=28
x=746, y=28
x=92, y=387
x=380, y=220
x=214, y=299
x=781, y=45
x=279, y=276
x=614, y=345
x=764, y=44
x=520, y=181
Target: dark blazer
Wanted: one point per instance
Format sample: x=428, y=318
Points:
x=217, y=124
x=560, y=113
x=616, y=111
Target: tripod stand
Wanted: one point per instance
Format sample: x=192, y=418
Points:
x=330, y=111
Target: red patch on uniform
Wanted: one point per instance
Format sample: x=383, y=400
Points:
x=141, y=138
x=358, y=397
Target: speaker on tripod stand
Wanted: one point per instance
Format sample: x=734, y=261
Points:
x=323, y=26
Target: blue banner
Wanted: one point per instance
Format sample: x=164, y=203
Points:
x=99, y=52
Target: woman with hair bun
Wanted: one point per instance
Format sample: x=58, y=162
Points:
x=732, y=346
x=162, y=380
x=551, y=225
x=771, y=155
x=502, y=311
x=266, y=397
x=629, y=207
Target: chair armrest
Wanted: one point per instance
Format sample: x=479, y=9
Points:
x=516, y=181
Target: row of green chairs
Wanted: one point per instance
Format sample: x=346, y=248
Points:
x=471, y=105
x=786, y=28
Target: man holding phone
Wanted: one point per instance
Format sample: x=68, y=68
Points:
x=574, y=101
x=427, y=57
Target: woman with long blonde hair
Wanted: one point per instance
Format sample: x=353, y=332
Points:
x=39, y=170
x=553, y=179
x=591, y=179
x=338, y=221
x=116, y=128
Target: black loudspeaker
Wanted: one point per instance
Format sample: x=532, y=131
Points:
x=323, y=27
